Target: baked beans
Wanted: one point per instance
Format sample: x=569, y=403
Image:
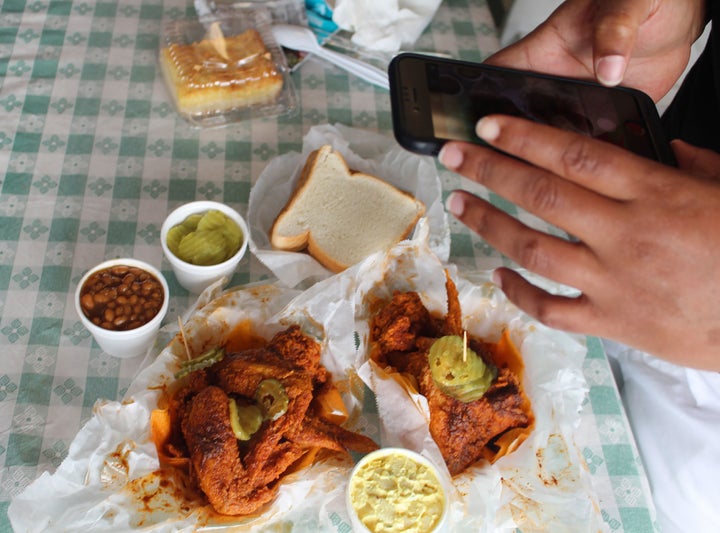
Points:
x=121, y=297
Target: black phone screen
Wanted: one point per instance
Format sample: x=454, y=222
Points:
x=460, y=95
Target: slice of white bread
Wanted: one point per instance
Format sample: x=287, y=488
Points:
x=342, y=216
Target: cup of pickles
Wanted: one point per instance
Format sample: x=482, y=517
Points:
x=204, y=241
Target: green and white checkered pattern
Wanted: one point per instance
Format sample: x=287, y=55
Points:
x=93, y=157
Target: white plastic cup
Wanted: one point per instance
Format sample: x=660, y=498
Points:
x=441, y=525
x=196, y=278
x=132, y=342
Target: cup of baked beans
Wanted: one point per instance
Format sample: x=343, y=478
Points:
x=123, y=302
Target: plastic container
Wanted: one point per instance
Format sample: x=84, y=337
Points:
x=281, y=11
x=225, y=67
x=130, y=342
x=402, y=487
x=196, y=278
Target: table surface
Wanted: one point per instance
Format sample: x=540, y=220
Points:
x=94, y=157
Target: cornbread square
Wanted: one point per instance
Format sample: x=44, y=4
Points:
x=221, y=73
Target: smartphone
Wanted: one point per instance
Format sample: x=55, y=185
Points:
x=434, y=100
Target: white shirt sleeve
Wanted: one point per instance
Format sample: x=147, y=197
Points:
x=675, y=416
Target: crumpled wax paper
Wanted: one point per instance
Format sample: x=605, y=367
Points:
x=543, y=485
x=364, y=151
x=109, y=482
x=385, y=26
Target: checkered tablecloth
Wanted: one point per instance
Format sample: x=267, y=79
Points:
x=93, y=157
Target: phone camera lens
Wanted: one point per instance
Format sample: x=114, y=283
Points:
x=606, y=124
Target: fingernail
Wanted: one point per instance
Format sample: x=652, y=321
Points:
x=455, y=204
x=497, y=280
x=487, y=129
x=610, y=70
x=451, y=156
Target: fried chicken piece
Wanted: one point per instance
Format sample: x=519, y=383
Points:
x=215, y=455
x=240, y=374
x=462, y=430
x=318, y=433
x=239, y=478
x=178, y=404
x=402, y=333
x=301, y=351
x=398, y=324
x=452, y=325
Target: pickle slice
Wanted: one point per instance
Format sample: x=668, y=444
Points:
x=175, y=235
x=457, y=372
x=192, y=221
x=233, y=236
x=209, y=358
x=245, y=420
x=205, y=238
x=202, y=248
x=213, y=219
x=272, y=398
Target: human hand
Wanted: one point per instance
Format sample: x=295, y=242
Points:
x=644, y=44
x=647, y=258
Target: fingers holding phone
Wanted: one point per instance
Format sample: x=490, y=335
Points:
x=568, y=180
x=643, y=261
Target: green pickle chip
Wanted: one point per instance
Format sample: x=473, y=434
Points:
x=272, y=398
x=457, y=372
x=192, y=221
x=245, y=420
x=175, y=235
x=213, y=219
x=205, y=238
x=202, y=248
x=233, y=236
x=209, y=358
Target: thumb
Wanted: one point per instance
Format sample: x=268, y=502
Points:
x=617, y=23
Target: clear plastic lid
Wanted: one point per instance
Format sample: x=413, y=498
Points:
x=224, y=68
x=281, y=11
